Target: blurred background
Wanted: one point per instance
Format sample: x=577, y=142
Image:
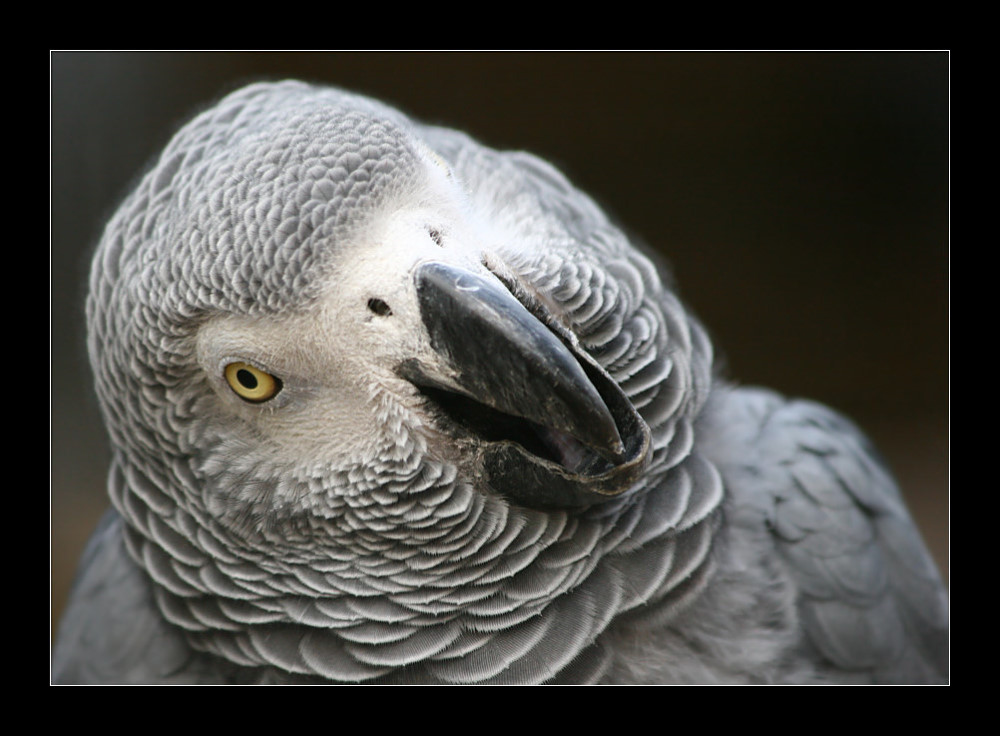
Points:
x=801, y=199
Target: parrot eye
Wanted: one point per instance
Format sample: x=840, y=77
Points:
x=252, y=384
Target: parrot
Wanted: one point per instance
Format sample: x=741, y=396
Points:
x=389, y=406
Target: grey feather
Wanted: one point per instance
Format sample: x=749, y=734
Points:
x=392, y=508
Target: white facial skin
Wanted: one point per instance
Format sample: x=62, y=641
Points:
x=337, y=359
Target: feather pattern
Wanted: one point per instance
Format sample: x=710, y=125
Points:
x=263, y=553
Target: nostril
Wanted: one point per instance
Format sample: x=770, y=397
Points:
x=379, y=307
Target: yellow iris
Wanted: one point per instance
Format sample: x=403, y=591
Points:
x=252, y=384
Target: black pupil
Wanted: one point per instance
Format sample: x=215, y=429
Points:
x=246, y=378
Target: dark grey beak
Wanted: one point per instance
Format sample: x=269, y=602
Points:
x=548, y=415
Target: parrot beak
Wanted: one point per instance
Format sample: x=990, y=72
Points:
x=555, y=428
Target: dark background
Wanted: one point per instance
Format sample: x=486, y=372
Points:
x=801, y=198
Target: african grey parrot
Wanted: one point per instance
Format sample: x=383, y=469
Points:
x=389, y=406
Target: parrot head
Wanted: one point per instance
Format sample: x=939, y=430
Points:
x=349, y=363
